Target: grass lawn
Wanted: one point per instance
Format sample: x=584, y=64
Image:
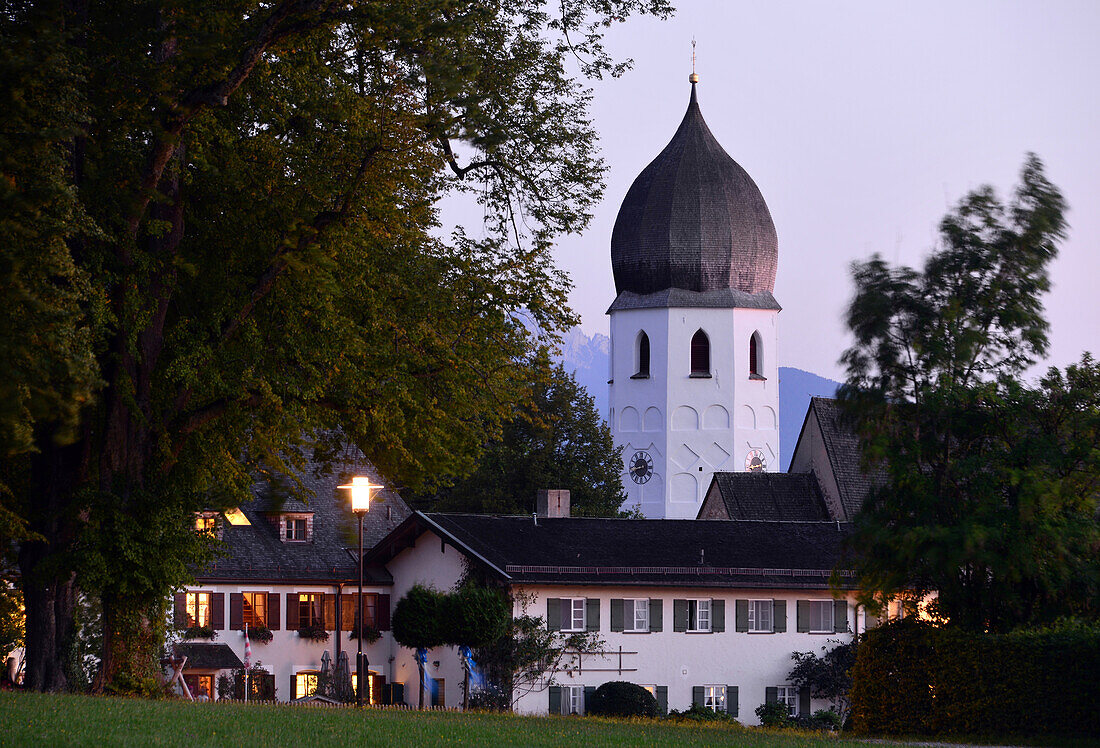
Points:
x=47, y=720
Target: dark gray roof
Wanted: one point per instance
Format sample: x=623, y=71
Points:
x=772, y=496
x=208, y=656
x=694, y=219
x=842, y=446
x=257, y=552
x=666, y=552
x=722, y=298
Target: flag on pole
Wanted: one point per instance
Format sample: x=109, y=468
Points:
x=247, y=649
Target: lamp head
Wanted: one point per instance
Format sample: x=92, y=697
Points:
x=360, y=488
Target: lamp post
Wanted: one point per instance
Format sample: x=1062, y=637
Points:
x=360, y=488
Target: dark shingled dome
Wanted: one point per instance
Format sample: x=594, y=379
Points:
x=694, y=219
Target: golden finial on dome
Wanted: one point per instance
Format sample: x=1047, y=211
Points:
x=693, y=77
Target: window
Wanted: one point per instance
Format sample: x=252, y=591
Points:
x=714, y=697
x=207, y=523
x=572, y=614
x=200, y=686
x=349, y=613
x=821, y=616
x=254, y=609
x=755, y=365
x=305, y=683
x=788, y=695
x=651, y=687
x=295, y=528
x=198, y=609
x=700, y=354
x=576, y=699
x=643, y=356
x=895, y=611
x=636, y=614
x=310, y=609
x=698, y=615
x=760, y=616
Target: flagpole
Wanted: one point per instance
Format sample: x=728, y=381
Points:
x=247, y=664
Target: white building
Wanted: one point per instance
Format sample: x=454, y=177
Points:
x=694, y=373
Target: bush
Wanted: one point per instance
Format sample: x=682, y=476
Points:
x=699, y=713
x=914, y=678
x=827, y=720
x=775, y=714
x=621, y=699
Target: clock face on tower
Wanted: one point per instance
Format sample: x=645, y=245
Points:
x=755, y=461
x=641, y=467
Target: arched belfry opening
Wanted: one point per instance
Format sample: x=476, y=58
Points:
x=756, y=356
x=642, y=356
x=700, y=354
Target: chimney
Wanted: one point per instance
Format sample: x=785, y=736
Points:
x=552, y=502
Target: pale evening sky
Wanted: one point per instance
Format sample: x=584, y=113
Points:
x=863, y=123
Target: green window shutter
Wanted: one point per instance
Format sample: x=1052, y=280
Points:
x=662, y=699
x=802, y=613
x=717, y=615
x=741, y=615
x=731, y=700
x=656, y=617
x=697, y=696
x=616, y=614
x=553, y=615
x=555, y=699
x=592, y=614
x=679, y=615
x=840, y=616
x=779, y=615
x=588, y=691
x=771, y=694
x=804, y=701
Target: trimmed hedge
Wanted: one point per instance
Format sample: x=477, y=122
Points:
x=621, y=699
x=912, y=678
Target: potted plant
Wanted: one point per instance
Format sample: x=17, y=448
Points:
x=260, y=634
x=200, y=632
x=368, y=633
x=315, y=633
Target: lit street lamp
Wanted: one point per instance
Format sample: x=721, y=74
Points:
x=360, y=488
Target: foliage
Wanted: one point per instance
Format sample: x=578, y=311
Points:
x=221, y=251
x=622, y=699
x=260, y=634
x=418, y=619
x=828, y=676
x=315, y=633
x=475, y=616
x=912, y=678
x=774, y=714
x=12, y=619
x=368, y=633
x=700, y=713
x=988, y=488
x=556, y=440
x=35, y=719
x=199, y=632
x=826, y=719
x=225, y=687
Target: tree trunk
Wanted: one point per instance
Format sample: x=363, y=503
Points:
x=420, y=667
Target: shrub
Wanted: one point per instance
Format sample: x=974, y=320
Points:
x=827, y=720
x=699, y=713
x=200, y=632
x=775, y=714
x=315, y=633
x=417, y=620
x=621, y=699
x=475, y=617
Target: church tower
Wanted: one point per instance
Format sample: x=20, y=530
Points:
x=694, y=373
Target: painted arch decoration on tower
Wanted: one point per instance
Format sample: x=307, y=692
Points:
x=694, y=253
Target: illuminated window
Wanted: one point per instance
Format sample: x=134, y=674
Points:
x=760, y=615
x=755, y=363
x=698, y=615
x=700, y=354
x=788, y=695
x=310, y=609
x=643, y=356
x=573, y=614
x=295, y=528
x=821, y=616
x=305, y=683
x=254, y=609
x=651, y=687
x=714, y=697
x=206, y=523
x=198, y=609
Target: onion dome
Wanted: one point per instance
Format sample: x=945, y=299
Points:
x=694, y=220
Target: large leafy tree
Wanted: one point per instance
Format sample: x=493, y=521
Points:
x=556, y=440
x=989, y=485
x=221, y=246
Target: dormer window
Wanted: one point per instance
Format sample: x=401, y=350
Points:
x=296, y=528
x=207, y=522
x=700, y=354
